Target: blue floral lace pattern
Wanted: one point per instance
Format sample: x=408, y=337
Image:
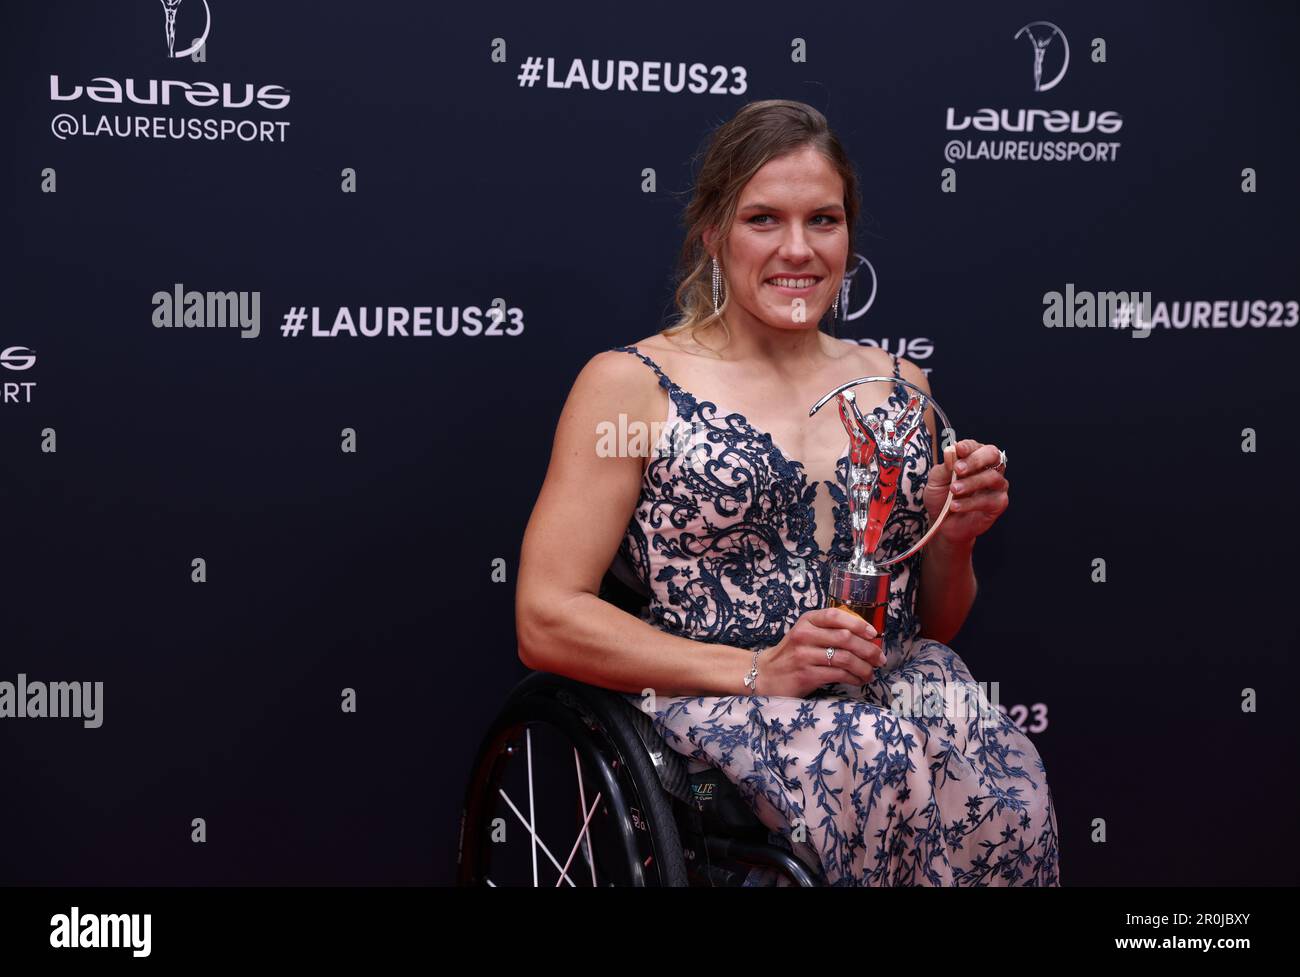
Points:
x=724, y=533
x=723, y=541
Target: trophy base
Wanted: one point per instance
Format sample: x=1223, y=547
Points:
x=863, y=594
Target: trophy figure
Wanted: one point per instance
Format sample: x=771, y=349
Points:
x=169, y=11
x=861, y=585
x=1040, y=45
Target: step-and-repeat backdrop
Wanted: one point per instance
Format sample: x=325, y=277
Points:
x=296, y=291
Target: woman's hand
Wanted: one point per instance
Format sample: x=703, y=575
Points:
x=799, y=664
x=979, y=494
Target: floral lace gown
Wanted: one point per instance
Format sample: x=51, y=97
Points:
x=723, y=541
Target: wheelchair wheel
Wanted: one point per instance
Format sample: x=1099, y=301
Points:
x=563, y=793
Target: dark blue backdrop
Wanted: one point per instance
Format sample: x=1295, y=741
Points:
x=373, y=570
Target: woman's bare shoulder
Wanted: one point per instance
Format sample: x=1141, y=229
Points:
x=912, y=373
x=675, y=345
x=614, y=381
x=618, y=369
x=872, y=360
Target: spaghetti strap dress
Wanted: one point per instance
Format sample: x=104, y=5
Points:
x=723, y=542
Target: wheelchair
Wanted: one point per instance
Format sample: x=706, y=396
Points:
x=572, y=785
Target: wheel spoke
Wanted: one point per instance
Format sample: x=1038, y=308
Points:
x=582, y=799
x=582, y=833
x=536, y=840
x=532, y=818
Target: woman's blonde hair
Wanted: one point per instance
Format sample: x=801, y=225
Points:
x=736, y=150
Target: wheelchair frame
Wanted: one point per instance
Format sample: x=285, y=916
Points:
x=673, y=827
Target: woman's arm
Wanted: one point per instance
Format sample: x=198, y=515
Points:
x=947, y=590
x=581, y=514
x=947, y=585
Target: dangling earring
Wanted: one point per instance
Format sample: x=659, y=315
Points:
x=717, y=285
x=835, y=308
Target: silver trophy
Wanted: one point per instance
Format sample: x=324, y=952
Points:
x=877, y=451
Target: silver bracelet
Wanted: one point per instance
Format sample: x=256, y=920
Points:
x=751, y=680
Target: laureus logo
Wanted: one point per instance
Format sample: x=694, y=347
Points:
x=170, y=9
x=1041, y=34
x=858, y=290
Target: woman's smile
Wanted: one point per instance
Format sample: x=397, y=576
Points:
x=790, y=285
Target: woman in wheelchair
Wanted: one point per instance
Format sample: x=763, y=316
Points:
x=724, y=504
